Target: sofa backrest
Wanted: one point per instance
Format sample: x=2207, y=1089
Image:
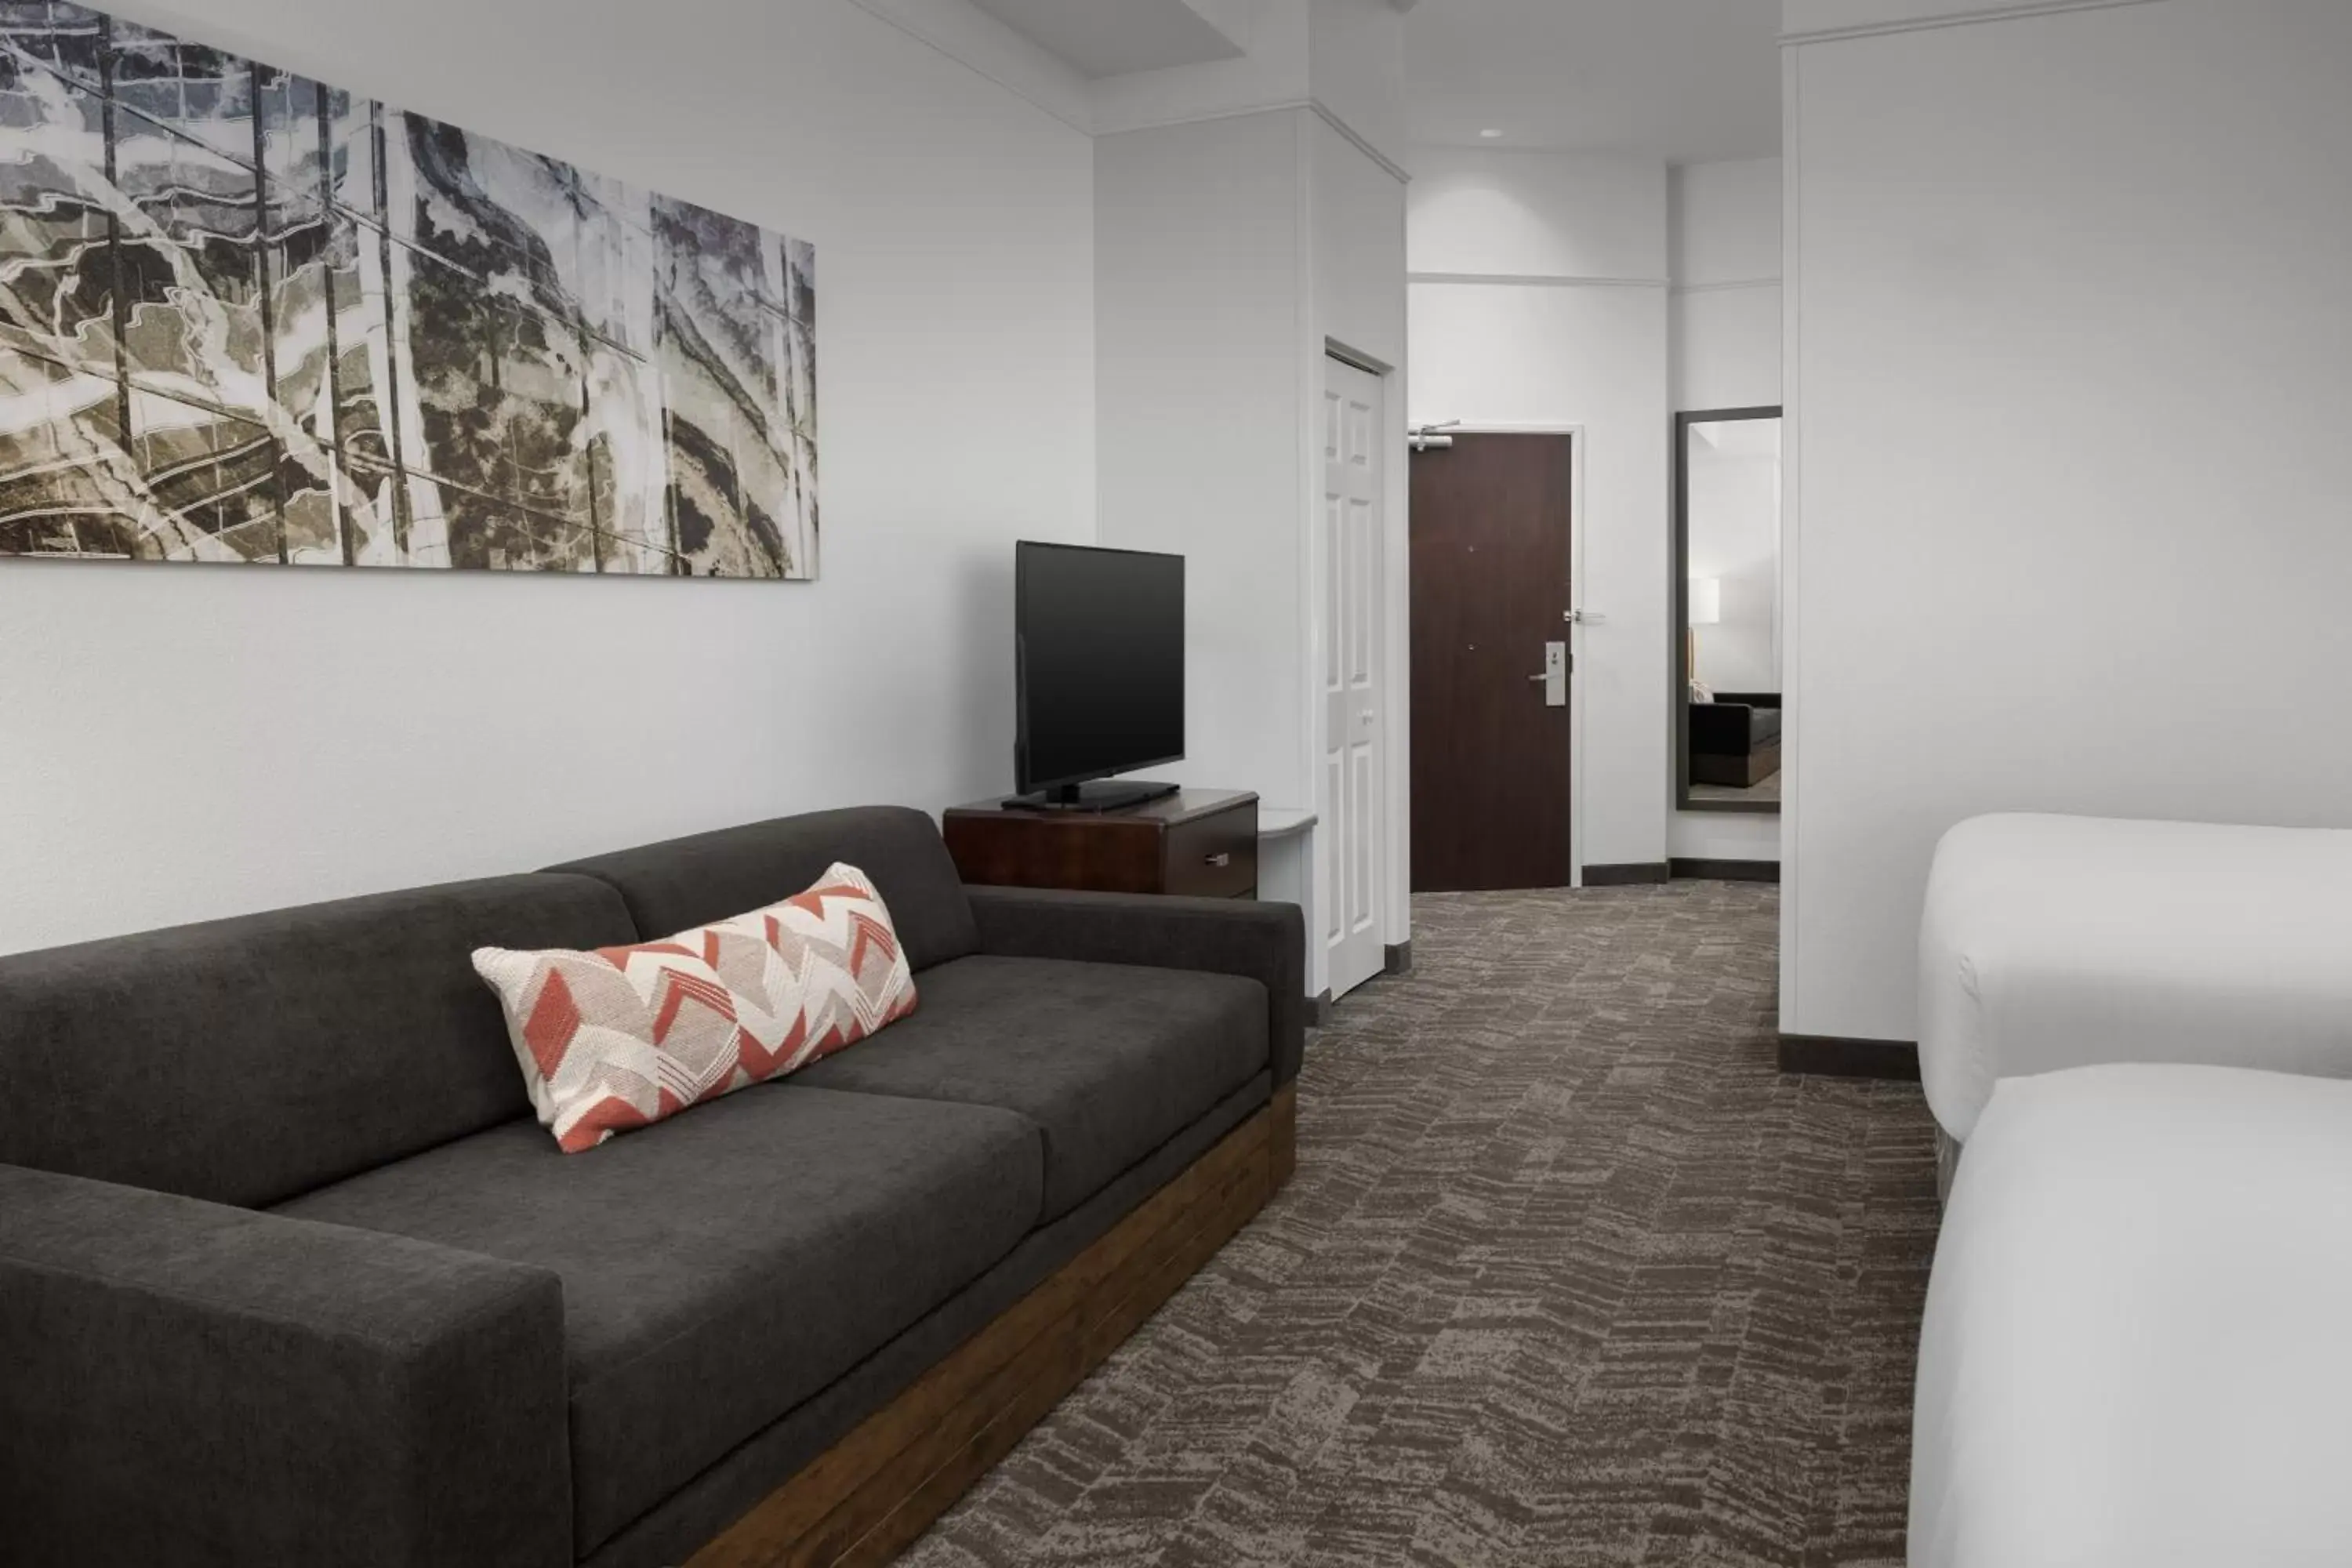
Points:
x=248, y=1060
x=686, y=882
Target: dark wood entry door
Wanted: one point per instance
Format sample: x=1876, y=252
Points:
x=1490, y=589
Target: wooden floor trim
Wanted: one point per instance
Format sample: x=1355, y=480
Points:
x=868, y=1496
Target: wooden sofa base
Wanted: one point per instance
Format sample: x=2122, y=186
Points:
x=1735, y=772
x=867, y=1498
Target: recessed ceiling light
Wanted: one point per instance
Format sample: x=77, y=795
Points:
x=1491, y=134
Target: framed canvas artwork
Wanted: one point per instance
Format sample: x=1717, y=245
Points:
x=248, y=317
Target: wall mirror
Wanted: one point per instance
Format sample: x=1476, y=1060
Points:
x=1726, y=705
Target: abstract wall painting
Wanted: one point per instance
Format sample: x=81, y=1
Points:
x=246, y=316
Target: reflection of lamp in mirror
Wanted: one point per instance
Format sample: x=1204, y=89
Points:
x=1706, y=610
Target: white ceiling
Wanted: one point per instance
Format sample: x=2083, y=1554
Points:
x=1112, y=37
x=1686, y=80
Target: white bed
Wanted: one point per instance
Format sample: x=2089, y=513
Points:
x=2058, y=942
x=2137, y=1349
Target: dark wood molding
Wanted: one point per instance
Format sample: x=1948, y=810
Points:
x=869, y=1496
x=1725, y=871
x=1397, y=958
x=1839, y=1056
x=1198, y=842
x=1281, y=1140
x=1627, y=874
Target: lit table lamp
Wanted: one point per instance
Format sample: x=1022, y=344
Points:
x=1706, y=610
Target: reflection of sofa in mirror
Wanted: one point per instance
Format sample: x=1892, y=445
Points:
x=1736, y=739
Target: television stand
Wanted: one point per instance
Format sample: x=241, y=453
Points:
x=1108, y=794
x=1198, y=842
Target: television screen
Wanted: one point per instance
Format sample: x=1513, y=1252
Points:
x=1100, y=661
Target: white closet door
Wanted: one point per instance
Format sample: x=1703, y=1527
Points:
x=1353, y=699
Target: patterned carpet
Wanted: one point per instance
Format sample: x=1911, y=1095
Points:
x=1569, y=1275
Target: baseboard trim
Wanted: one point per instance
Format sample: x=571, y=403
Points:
x=1840, y=1055
x=1700, y=871
x=1397, y=958
x=1627, y=874
x=1318, y=1011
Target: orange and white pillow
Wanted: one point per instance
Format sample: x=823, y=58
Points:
x=621, y=1036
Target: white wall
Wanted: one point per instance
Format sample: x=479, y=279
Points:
x=1735, y=538
x=1357, y=234
x=1355, y=67
x=1725, y=323
x=1558, y=218
x=2066, y=517
x=178, y=743
x=1726, y=249
x=1539, y=297
x=1230, y=252
x=1202, y=324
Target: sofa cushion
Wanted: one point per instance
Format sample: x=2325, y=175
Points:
x=722, y=1494
x=625, y=1036
x=1108, y=1060
x=246, y=1060
x=692, y=881
x=723, y=1267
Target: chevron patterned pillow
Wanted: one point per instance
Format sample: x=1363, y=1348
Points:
x=623, y=1037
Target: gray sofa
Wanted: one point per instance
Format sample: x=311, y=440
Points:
x=289, y=1274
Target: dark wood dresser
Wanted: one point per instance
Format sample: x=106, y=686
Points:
x=1197, y=842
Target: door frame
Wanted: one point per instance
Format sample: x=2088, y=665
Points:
x=1575, y=628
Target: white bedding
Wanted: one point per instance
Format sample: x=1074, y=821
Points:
x=2058, y=942
x=2137, y=1349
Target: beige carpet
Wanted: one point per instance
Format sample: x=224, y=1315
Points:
x=1570, y=1274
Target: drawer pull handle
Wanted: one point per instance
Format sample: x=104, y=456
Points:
x=1222, y=857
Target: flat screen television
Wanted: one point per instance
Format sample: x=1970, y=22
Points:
x=1099, y=669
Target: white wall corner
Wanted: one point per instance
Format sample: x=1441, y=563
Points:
x=1273, y=74
x=1342, y=58
x=1235, y=20
x=1357, y=74
x=972, y=38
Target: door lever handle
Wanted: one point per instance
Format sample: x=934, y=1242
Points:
x=1554, y=678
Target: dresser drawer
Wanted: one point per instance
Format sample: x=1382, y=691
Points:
x=1212, y=856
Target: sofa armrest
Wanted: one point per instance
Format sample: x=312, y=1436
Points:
x=1264, y=942
x=190, y=1382
x=1721, y=729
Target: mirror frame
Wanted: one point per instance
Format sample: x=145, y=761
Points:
x=1678, y=660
